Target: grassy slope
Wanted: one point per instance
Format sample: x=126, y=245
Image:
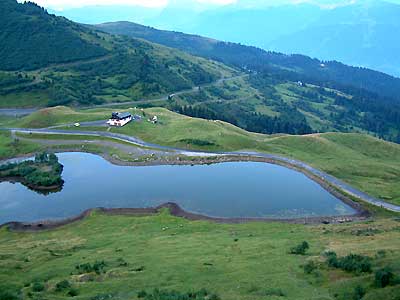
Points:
x=85, y=66
x=175, y=258
x=369, y=164
x=10, y=148
x=57, y=116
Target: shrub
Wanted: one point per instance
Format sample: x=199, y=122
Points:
x=300, y=249
x=38, y=287
x=355, y=263
x=173, y=295
x=8, y=295
x=275, y=292
x=62, y=285
x=309, y=267
x=197, y=142
x=142, y=294
x=331, y=259
x=73, y=292
x=384, y=277
x=98, y=267
x=381, y=254
x=350, y=263
x=359, y=292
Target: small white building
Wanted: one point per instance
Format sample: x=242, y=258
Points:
x=119, y=119
x=154, y=120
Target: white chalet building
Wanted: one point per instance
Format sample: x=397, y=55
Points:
x=119, y=119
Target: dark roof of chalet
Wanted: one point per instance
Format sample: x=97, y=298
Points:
x=123, y=115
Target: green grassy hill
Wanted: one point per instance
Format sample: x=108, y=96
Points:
x=242, y=261
x=48, y=60
x=368, y=163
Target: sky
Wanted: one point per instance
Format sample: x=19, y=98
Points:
x=66, y=4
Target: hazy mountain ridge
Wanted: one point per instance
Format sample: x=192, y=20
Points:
x=374, y=103
x=297, y=67
x=360, y=33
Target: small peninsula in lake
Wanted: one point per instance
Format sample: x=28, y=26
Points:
x=43, y=173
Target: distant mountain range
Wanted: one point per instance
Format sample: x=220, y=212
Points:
x=298, y=67
x=49, y=60
x=368, y=97
x=360, y=34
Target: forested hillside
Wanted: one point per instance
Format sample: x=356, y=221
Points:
x=300, y=67
x=30, y=38
x=48, y=60
x=296, y=94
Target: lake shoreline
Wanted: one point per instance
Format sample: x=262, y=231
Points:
x=361, y=212
x=358, y=207
x=207, y=160
x=176, y=211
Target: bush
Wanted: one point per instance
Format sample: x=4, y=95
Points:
x=8, y=295
x=309, y=267
x=350, y=263
x=359, y=292
x=142, y=294
x=73, y=292
x=300, y=249
x=275, y=292
x=62, y=285
x=380, y=254
x=38, y=287
x=98, y=267
x=173, y=295
x=384, y=277
x=331, y=259
x=355, y=263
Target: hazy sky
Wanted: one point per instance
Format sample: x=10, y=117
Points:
x=60, y=4
x=64, y=4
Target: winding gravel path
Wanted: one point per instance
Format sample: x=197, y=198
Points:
x=348, y=189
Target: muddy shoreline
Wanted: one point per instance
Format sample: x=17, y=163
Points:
x=226, y=158
x=175, y=210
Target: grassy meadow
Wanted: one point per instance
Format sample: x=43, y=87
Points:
x=244, y=261
x=10, y=148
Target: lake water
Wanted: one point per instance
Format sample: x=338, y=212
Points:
x=238, y=189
